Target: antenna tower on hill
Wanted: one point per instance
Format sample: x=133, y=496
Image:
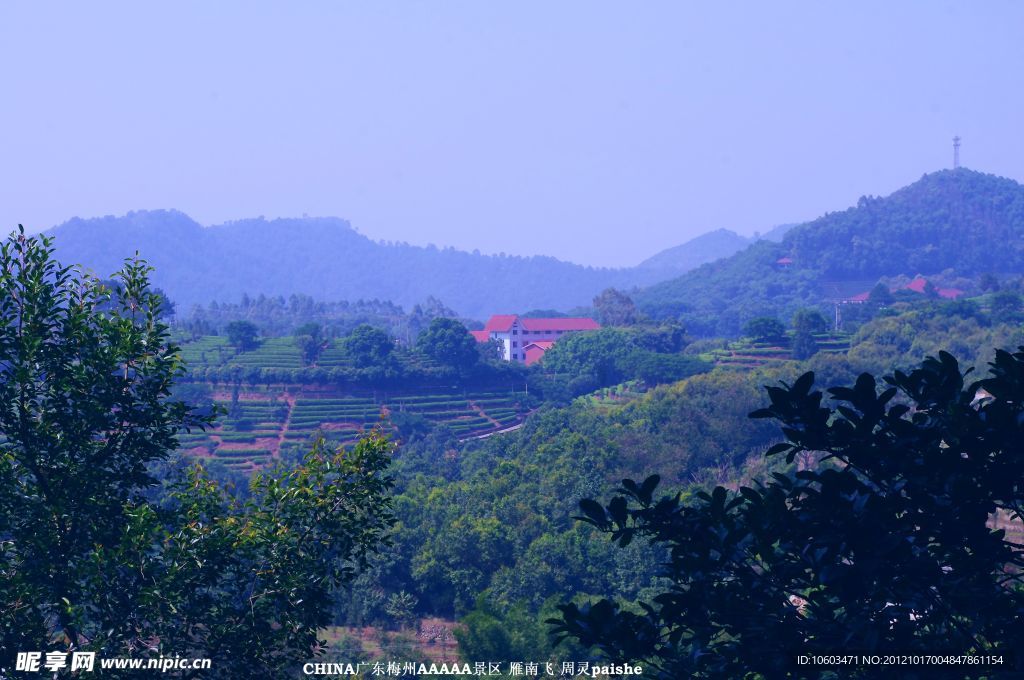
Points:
x=956, y=152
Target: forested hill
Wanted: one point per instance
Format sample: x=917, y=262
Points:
x=960, y=219
x=966, y=221
x=708, y=247
x=328, y=260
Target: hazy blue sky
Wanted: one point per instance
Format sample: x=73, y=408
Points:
x=596, y=132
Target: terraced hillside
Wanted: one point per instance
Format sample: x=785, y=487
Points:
x=750, y=354
x=263, y=424
x=279, y=360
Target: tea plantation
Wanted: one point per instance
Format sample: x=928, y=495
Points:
x=275, y=405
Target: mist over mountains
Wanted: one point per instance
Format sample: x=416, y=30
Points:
x=327, y=259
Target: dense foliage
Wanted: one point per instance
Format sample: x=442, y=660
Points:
x=493, y=518
x=612, y=355
x=449, y=343
x=277, y=316
x=94, y=556
x=882, y=543
x=946, y=221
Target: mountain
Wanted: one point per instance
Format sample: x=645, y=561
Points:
x=326, y=259
x=329, y=260
x=960, y=220
x=708, y=247
x=777, y=232
x=705, y=248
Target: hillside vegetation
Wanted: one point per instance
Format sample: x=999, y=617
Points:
x=945, y=223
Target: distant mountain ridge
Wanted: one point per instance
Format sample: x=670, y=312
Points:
x=321, y=257
x=961, y=220
x=714, y=245
x=327, y=259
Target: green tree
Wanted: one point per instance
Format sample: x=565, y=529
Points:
x=988, y=282
x=95, y=555
x=242, y=334
x=401, y=607
x=310, y=341
x=765, y=329
x=368, y=346
x=448, y=342
x=807, y=322
x=615, y=308
x=883, y=543
x=511, y=634
x=1005, y=306
x=880, y=295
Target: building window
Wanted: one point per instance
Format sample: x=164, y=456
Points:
x=514, y=355
x=515, y=344
x=515, y=332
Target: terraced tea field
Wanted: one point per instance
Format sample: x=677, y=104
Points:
x=748, y=354
x=262, y=426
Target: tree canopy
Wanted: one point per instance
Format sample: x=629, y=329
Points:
x=449, y=342
x=94, y=554
x=242, y=334
x=368, y=346
x=881, y=542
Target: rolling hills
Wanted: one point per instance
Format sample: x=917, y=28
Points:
x=329, y=260
x=959, y=223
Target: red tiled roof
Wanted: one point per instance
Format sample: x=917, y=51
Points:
x=534, y=351
x=562, y=324
x=784, y=260
x=918, y=284
x=500, y=322
x=481, y=336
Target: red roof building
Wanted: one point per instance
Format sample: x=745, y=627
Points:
x=919, y=283
x=516, y=333
x=859, y=298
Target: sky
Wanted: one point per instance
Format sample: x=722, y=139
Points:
x=596, y=132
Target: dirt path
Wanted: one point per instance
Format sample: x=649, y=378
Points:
x=476, y=407
x=290, y=400
x=513, y=428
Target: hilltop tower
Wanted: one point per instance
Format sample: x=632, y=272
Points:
x=956, y=152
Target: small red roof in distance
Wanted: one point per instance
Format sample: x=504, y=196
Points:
x=861, y=297
x=784, y=260
x=918, y=284
x=563, y=324
x=500, y=322
x=481, y=336
x=542, y=344
x=950, y=293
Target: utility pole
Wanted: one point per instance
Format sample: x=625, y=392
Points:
x=956, y=152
